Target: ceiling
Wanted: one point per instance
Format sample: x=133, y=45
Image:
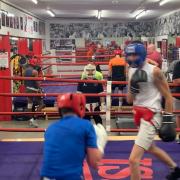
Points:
x=111, y=9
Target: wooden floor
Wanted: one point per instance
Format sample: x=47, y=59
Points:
x=38, y=136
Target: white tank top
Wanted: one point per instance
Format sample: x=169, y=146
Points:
x=149, y=95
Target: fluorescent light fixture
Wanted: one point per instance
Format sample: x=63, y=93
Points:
x=5, y=12
x=10, y=15
x=141, y=14
x=50, y=13
x=34, y=1
x=99, y=15
x=137, y=12
x=161, y=3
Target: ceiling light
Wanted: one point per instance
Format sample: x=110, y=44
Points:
x=2, y=11
x=34, y=1
x=137, y=12
x=50, y=13
x=161, y=3
x=144, y=12
x=99, y=15
x=10, y=15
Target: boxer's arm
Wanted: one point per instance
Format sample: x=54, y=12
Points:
x=162, y=85
x=130, y=97
x=94, y=155
x=176, y=74
x=150, y=61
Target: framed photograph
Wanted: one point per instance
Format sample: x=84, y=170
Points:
x=41, y=28
x=25, y=24
x=7, y=21
x=34, y=26
x=21, y=23
x=17, y=22
x=3, y=17
x=11, y=22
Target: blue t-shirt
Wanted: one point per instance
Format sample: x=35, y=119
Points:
x=65, y=148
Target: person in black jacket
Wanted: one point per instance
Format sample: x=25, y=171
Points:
x=92, y=103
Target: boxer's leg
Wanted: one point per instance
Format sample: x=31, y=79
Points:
x=162, y=155
x=134, y=162
x=176, y=108
x=33, y=122
x=142, y=143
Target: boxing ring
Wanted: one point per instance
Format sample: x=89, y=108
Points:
x=21, y=158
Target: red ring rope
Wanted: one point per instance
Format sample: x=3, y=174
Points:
x=46, y=113
x=43, y=130
x=56, y=94
x=23, y=129
x=65, y=80
x=88, y=113
x=132, y=130
x=70, y=56
x=72, y=64
x=50, y=84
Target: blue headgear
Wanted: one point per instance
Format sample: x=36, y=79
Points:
x=136, y=49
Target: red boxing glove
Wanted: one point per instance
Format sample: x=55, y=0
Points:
x=142, y=112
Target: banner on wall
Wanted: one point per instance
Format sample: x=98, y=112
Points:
x=164, y=48
x=29, y=24
x=4, y=61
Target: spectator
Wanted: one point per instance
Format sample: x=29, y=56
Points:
x=92, y=103
x=34, y=103
x=117, y=72
x=97, y=73
x=90, y=53
x=154, y=55
x=176, y=80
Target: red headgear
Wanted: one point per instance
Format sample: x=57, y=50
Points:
x=76, y=102
x=117, y=52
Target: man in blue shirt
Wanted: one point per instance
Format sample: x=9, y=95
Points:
x=72, y=139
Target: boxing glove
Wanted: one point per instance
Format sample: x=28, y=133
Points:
x=167, y=132
x=138, y=77
x=101, y=136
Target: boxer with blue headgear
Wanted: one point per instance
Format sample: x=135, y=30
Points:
x=135, y=55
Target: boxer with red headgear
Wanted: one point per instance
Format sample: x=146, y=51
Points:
x=70, y=140
x=73, y=102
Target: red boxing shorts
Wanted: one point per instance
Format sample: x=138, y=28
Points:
x=142, y=113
